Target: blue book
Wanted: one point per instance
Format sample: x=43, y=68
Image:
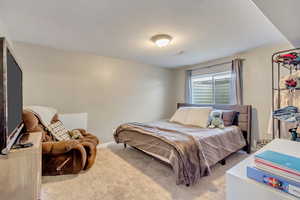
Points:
x=279, y=159
x=277, y=182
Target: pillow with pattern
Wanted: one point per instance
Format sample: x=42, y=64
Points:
x=59, y=131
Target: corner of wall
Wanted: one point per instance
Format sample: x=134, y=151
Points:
x=4, y=32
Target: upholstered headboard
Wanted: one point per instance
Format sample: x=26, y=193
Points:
x=244, y=117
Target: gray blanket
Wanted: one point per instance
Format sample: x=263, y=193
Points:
x=190, y=150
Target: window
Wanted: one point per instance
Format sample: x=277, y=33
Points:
x=211, y=88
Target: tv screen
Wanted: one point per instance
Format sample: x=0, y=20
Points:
x=14, y=94
x=11, y=101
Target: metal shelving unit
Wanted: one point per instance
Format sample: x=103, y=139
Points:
x=278, y=66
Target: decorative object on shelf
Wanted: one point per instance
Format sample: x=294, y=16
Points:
x=285, y=113
x=290, y=83
x=296, y=62
x=289, y=114
x=283, y=60
x=292, y=58
x=295, y=135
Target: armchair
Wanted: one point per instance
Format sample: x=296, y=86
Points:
x=62, y=157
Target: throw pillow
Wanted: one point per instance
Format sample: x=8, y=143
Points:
x=58, y=131
x=228, y=117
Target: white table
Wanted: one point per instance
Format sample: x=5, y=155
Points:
x=239, y=187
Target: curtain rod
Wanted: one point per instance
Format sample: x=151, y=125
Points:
x=209, y=66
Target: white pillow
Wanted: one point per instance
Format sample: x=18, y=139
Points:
x=180, y=115
x=195, y=116
x=198, y=116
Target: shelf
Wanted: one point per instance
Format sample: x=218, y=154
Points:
x=277, y=73
x=286, y=89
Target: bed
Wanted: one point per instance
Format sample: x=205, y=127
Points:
x=190, y=150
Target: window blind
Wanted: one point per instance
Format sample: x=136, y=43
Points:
x=211, y=88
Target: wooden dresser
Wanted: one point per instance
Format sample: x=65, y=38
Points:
x=20, y=171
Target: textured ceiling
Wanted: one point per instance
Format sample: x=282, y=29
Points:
x=202, y=29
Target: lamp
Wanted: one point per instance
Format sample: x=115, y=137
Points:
x=161, y=40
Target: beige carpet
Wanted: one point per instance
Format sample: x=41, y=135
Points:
x=121, y=174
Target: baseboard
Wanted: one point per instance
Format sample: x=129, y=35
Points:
x=105, y=145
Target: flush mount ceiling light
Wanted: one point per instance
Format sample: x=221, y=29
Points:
x=161, y=40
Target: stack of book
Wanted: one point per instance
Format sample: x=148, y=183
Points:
x=277, y=170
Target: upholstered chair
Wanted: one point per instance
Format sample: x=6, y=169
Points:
x=62, y=157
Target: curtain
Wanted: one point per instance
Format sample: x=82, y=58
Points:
x=237, y=82
x=188, y=86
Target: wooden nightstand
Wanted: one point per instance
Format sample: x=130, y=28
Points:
x=20, y=177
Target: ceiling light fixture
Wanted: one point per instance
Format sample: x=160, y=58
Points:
x=161, y=40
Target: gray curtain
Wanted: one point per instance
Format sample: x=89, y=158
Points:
x=237, y=82
x=188, y=86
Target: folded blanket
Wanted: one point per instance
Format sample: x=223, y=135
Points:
x=190, y=159
x=45, y=114
x=287, y=114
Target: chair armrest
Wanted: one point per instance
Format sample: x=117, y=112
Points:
x=82, y=131
x=88, y=137
x=57, y=148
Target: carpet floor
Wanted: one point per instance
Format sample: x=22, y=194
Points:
x=128, y=174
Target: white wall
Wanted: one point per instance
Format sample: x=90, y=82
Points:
x=3, y=31
x=111, y=91
x=114, y=91
x=257, y=83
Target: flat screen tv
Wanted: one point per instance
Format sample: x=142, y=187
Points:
x=11, y=98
